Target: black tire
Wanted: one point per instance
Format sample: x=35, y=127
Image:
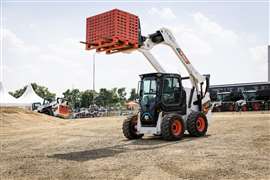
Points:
x=169, y=127
x=129, y=128
x=197, y=124
x=48, y=112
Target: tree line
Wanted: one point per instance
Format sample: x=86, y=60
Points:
x=115, y=97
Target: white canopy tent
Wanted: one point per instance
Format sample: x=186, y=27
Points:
x=6, y=99
x=29, y=96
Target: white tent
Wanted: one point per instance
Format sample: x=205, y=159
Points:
x=6, y=99
x=29, y=96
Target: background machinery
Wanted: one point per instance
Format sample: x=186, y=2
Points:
x=59, y=108
x=166, y=107
x=246, y=100
x=254, y=96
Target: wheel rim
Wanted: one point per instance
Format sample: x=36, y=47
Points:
x=134, y=125
x=256, y=106
x=200, y=124
x=176, y=127
x=231, y=108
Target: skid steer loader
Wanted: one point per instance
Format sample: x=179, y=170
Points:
x=167, y=108
x=59, y=108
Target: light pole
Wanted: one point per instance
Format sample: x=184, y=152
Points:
x=94, y=69
x=94, y=75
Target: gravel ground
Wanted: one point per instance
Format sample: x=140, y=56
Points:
x=35, y=146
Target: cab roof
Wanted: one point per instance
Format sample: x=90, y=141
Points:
x=158, y=74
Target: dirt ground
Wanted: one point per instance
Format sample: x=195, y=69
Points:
x=35, y=146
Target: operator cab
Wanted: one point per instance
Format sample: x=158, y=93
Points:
x=160, y=92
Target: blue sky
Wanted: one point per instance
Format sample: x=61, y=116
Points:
x=41, y=42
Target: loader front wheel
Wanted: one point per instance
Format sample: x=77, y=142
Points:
x=172, y=127
x=197, y=124
x=130, y=128
x=48, y=112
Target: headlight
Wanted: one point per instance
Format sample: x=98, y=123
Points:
x=146, y=117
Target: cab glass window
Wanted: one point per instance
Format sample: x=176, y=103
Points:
x=171, y=91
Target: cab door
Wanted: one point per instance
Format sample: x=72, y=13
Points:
x=173, y=96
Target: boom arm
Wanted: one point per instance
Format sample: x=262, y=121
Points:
x=166, y=37
x=152, y=60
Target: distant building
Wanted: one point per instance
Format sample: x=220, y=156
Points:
x=214, y=89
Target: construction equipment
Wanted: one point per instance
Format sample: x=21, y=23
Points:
x=166, y=107
x=246, y=100
x=59, y=108
x=256, y=100
x=227, y=101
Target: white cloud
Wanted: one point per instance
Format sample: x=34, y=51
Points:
x=213, y=48
x=258, y=62
x=190, y=40
x=16, y=44
x=164, y=13
x=259, y=54
x=32, y=26
x=46, y=64
x=10, y=36
x=211, y=28
x=60, y=61
x=206, y=24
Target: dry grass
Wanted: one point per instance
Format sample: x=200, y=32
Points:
x=35, y=146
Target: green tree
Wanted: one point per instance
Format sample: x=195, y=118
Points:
x=122, y=95
x=133, y=95
x=103, y=98
x=18, y=92
x=73, y=97
x=114, y=99
x=39, y=90
x=43, y=92
x=87, y=98
x=107, y=97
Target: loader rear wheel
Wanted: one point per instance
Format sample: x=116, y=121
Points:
x=197, y=124
x=130, y=128
x=172, y=127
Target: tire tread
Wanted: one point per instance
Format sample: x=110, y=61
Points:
x=127, y=129
x=191, y=124
x=166, y=127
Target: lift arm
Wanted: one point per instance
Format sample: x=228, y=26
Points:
x=165, y=36
x=152, y=60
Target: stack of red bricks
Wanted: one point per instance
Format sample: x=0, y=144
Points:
x=112, y=31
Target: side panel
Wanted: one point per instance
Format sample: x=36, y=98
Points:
x=205, y=101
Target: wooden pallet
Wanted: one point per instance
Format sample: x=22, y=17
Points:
x=112, y=45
